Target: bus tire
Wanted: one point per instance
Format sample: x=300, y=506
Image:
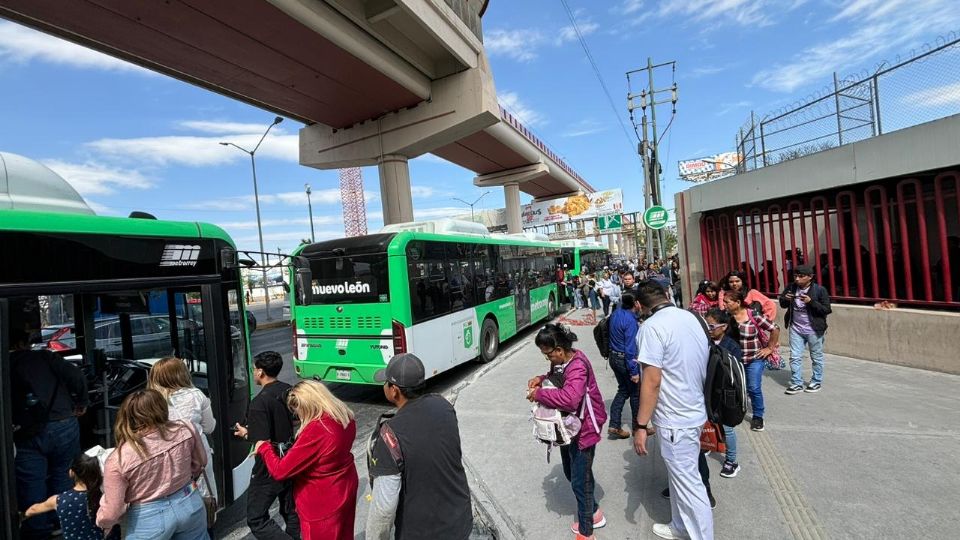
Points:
x=551, y=306
x=489, y=341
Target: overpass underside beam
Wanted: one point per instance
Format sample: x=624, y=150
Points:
x=511, y=180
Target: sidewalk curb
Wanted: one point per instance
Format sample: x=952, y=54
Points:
x=485, y=508
x=273, y=324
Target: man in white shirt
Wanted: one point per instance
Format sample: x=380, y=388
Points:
x=673, y=349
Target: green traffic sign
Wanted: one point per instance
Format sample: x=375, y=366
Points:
x=611, y=222
x=655, y=217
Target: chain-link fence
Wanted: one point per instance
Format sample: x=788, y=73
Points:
x=919, y=89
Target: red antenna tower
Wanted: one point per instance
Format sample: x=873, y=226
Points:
x=352, y=199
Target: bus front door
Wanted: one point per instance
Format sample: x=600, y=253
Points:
x=8, y=482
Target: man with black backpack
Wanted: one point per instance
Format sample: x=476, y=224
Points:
x=48, y=394
x=269, y=419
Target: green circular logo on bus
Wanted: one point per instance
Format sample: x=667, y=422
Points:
x=655, y=217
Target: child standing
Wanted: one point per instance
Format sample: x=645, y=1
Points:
x=77, y=507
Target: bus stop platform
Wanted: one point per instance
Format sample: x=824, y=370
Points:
x=872, y=455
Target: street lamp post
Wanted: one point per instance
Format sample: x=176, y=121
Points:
x=472, y=204
x=313, y=238
x=256, y=200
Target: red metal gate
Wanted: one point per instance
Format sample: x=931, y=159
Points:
x=896, y=239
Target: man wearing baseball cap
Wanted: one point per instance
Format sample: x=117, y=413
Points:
x=415, y=462
x=808, y=305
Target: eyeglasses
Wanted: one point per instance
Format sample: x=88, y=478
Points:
x=715, y=326
x=551, y=351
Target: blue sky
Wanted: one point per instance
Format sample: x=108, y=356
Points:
x=130, y=139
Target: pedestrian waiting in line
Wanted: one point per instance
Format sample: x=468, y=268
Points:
x=269, y=418
x=77, y=507
x=808, y=305
x=570, y=386
x=752, y=298
x=673, y=349
x=623, y=362
x=707, y=297
x=148, y=480
x=319, y=463
x=414, y=461
x=758, y=338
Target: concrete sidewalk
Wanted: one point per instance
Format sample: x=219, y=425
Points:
x=873, y=455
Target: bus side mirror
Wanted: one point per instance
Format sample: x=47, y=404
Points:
x=304, y=285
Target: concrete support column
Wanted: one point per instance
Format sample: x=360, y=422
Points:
x=395, y=189
x=511, y=195
x=612, y=243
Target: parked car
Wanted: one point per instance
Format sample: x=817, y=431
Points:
x=150, y=334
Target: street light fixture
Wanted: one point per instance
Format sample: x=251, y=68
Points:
x=472, y=204
x=256, y=200
x=313, y=238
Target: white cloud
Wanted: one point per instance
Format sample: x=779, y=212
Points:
x=878, y=27
x=196, y=151
x=628, y=7
x=584, y=127
x=96, y=178
x=519, y=45
x=948, y=94
x=287, y=236
x=22, y=45
x=726, y=108
x=426, y=192
x=288, y=198
x=228, y=128
x=569, y=34
x=512, y=103
x=742, y=12
x=704, y=71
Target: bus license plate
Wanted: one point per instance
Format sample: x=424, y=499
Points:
x=343, y=374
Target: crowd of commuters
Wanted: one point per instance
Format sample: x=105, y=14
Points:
x=157, y=481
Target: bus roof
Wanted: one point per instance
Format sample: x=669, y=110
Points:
x=395, y=243
x=55, y=222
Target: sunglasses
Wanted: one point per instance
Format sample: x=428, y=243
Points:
x=715, y=326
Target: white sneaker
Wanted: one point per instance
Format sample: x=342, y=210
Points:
x=664, y=530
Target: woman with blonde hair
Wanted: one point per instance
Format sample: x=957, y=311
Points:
x=170, y=377
x=319, y=463
x=149, y=477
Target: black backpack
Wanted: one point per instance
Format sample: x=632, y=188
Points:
x=601, y=334
x=724, y=389
x=30, y=414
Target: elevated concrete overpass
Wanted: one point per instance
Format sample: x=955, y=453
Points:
x=377, y=82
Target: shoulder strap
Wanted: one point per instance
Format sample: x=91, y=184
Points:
x=703, y=324
x=56, y=378
x=587, y=402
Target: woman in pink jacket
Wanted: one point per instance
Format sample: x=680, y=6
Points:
x=736, y=281
x=573, y=389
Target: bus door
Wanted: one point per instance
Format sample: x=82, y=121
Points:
x=516, y=270
x=8, y=484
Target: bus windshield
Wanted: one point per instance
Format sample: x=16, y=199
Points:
x=355, y=279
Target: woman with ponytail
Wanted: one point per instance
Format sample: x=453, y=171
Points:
x=77, y=508
x=570, y=386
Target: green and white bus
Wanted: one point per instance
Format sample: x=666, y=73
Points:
x=580, y=254
x=112, y=295
x=447, y=291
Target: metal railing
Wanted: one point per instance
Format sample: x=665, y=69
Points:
x=530, y=136
x=920, y=89
x=895, y=239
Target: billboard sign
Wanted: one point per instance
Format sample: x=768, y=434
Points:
x=709, y=168
x=580, y=206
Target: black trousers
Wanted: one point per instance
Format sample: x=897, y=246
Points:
x=262, y=492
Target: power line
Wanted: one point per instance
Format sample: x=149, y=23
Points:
x=596, y=71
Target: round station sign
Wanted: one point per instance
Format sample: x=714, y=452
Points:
x=655, y=217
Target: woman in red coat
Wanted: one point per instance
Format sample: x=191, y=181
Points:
x=319, y=463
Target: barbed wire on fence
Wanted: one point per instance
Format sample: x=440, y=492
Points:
x=858, y=106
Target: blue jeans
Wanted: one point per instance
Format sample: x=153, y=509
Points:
x=578, y=468
x=730, y=435
x=180, y=516
x=754, y=372
x=625, y=388
x=799, y=342
x=42, y=464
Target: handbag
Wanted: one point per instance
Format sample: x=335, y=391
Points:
x=773, y=362
x=712, y=438
x=209, y=502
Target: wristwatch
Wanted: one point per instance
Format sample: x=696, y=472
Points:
x=642, y=426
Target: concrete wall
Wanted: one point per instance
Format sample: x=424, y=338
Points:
x=905, y=337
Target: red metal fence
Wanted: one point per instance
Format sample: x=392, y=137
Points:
x=896, y=239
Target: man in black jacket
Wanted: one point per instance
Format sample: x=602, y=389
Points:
x=269, y=419
x=47, y=441
x=808, y=305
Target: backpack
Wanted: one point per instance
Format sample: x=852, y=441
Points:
x=30, y=415
x=555, y=428
x=601, y=334
x=724, y=388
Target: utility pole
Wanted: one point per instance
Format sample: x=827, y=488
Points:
x=649, y=146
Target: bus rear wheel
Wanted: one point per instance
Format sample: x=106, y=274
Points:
x=551, y=306
x=489, y=341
